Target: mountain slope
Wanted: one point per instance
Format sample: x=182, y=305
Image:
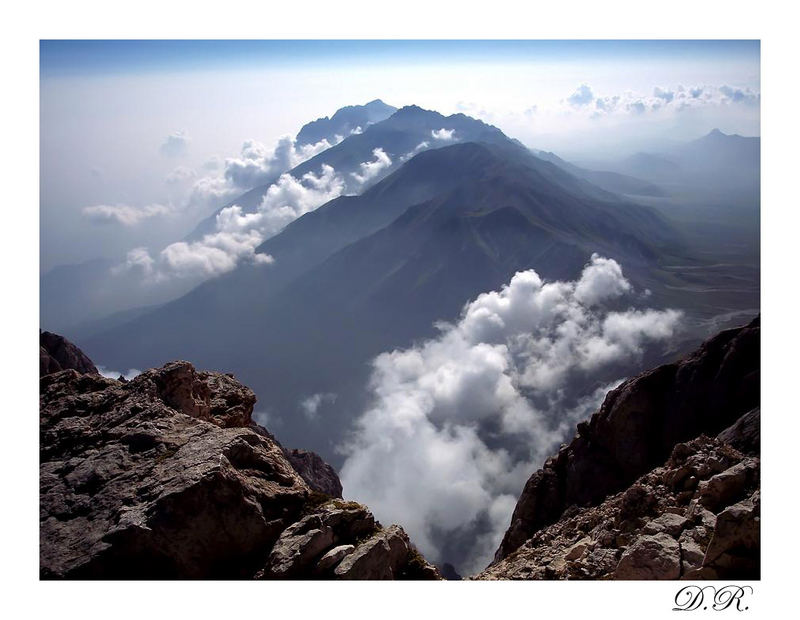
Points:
x=495, y=209
x=344, y=121
x=399, y=136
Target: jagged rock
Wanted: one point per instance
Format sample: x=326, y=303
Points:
x=317, y=473
x=167, y=476
x=734, y=548
x=637, y=427
x=141, y=480
x=57, y=353
x=745, y=433
x=380, y=557
x=728, y=486
x=333, y=557
x=668, y=523
x=668, y=534
x=449, y=572
x=650, y=557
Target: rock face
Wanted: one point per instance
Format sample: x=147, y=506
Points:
x=165, y=477
x=57, y=353
x=695, y=517
x=317, y=473
x=638, y=425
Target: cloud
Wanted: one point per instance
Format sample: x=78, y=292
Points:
x=582, y=96
x=125, y=214
x=180, y=176
x=257, y=165
x=445, y=135
x=665, y=95
x=457, y=423
x=114, y=374
x=310, y=406
x=371, y=169
x=676, y=99
x=175, y=145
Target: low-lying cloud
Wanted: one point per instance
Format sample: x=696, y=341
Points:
x=175, y=145
x=457, y=423
x=126, y=215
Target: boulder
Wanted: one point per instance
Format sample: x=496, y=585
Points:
x=650, y=557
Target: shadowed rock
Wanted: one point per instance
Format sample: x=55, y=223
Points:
x=57, y=353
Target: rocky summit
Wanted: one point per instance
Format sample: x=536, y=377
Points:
x=166, y=476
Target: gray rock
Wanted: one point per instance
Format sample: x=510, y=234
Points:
x=146, y=479
x=650, y=557
x=333, y=557
x=379, y=557
x=668, y=523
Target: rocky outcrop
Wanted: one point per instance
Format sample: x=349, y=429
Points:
x=57, y=353
x=164, y=476
x=317, y=473
x=695, y=517
x=638, y=425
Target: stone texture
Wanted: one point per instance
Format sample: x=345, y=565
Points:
x=654, y=556
x=144, y=479
x=655, y=529
x=317, y=473
x=638, y=425
x=166, y=476
x=57, y=353
x=380, y=557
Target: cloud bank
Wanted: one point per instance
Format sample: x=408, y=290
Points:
x=458, y=423
x=125, y=215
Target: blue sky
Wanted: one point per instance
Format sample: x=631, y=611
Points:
x=99, y=56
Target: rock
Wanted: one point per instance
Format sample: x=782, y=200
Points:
x=728, y=486
x=745, y=433
x=317, y=473
x=650, y=557
x=298, y=546
x=333, y=557
x=57, y=353
x=637, y=427
x=143, y=480
x=380, y=557
x=449, y=572
x=669, y=523
x=615, y=539
x=735, y=546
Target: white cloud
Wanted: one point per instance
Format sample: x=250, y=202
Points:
x=582, y=96
x=180, y=175
x=371, y=169
x=114, y=374
x=446, y=135
x=457, y=423
x=126, y=215
x=310, y=405
x=257, y=165
x=175, y=145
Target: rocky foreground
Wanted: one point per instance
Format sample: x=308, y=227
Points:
x=166, y=476
x=662, y=483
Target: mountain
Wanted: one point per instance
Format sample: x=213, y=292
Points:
x=362, y=275
x=400, y=136
x=643, y=491
x=167, y=477
x=724, y=161
x=344, y=121
x=610, y=181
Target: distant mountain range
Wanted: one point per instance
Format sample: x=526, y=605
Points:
x=363, y=274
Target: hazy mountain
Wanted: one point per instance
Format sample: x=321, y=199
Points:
x=345, y=121
x=368, y=273
x=611, y=181
x=406, y=132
